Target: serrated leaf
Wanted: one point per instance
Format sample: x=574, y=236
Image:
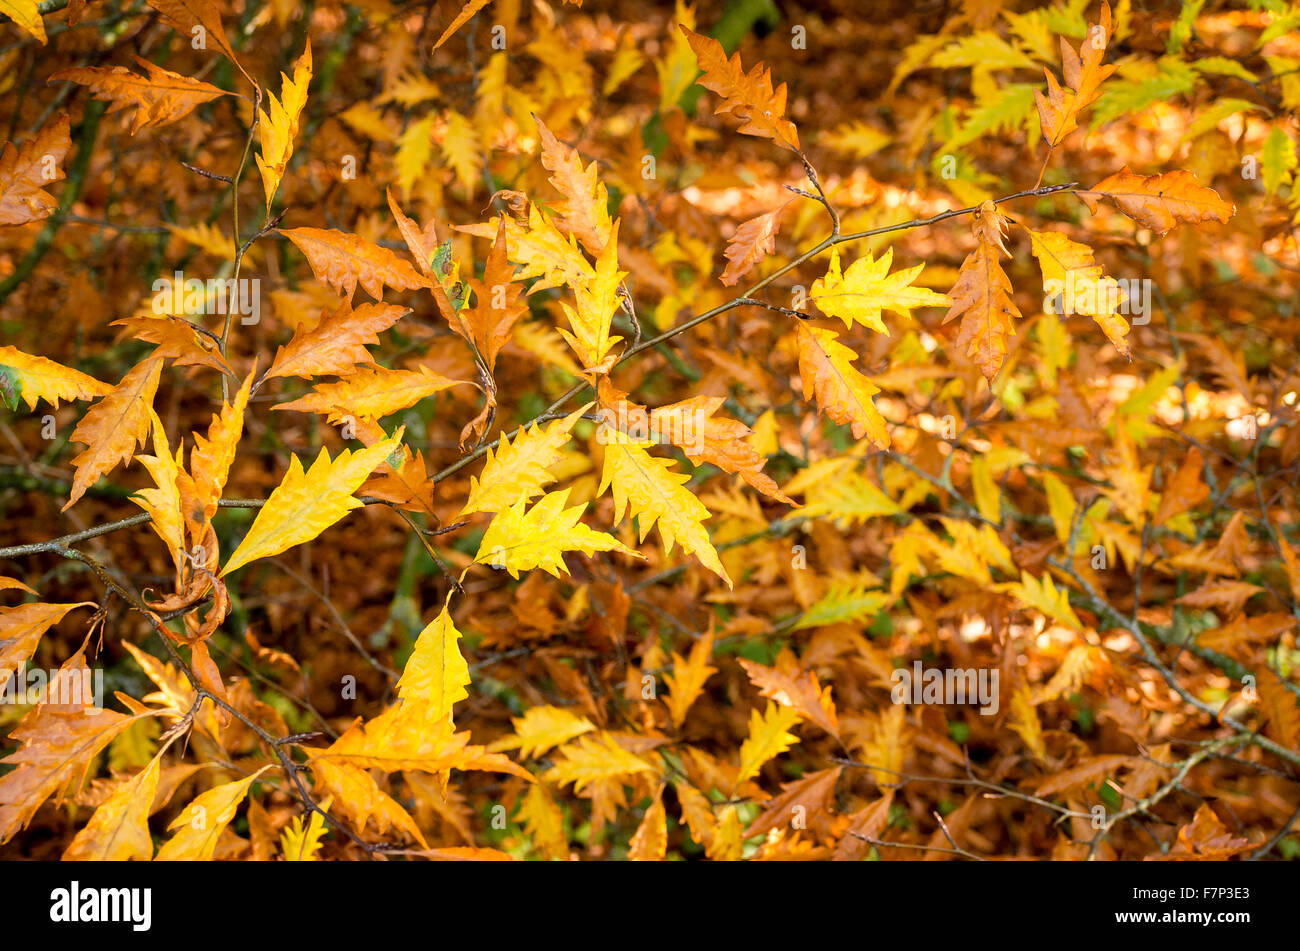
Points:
x=304, y=504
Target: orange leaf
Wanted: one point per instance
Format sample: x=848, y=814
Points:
x=24, y=173
x=159, y=97
x=344, y=260
x=114, y=427
x=748, y=97
x=1160, y=202
x=752, y=241
x=982, y=296
x=337, y=344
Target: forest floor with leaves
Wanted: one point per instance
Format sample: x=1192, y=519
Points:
x=884, y=447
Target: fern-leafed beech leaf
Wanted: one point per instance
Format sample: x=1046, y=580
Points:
x=115, y=426
x=26, y=172
x=751, y=242
x=369, y=393
x=842, y=393
x=1058, y=111
x=517, y=470
x=27, y=378
x=159, y=97
x=337, y=344
x=278, y=126
x=1070, y=272
x=385, y=303
x=867, y=289
x=305, y=503
x=748, y=97
x=982, y=296
x=27, y=14
x=646, y=487
x=521, y=538
x=584, y=213
x=1160, y=202
x=344, y=260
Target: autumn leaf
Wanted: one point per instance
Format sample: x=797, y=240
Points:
x=520, y=539
x=337, y=344
x=592, y=316
x=194, y=18
x=1160, y=202
x=867, y=289
x=467, y=11
x=119, y=829
x=304, y=504
x=277, y=128
x=543, y=728
x=22, y=627
x=517, y=471
x=982, y=296
x=752, y=241
x=686, y=682
x=27, y=15
x=57, y=743
x=200, y=824
x=497, y=305
x=650, y=841
x=436, y=675
x=178, y=340
x=585, y=210
x=1058, y=111
x=115, y=426
x=31, y=378
x=369, y=393
x=26, y=171
x=827, y=371
x=592, y=758
x=767, y=738
x=748, y=97
x=159, y=97
x=1071, y=276
x=653, y=493
x=794, y=688
x=344, y=260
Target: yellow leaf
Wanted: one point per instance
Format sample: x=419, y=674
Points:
x=27, y=15
x=31, y=378
x=299, y=844
x=767, y=738
x=585, y=211
x=543, y=821
x=278, y=128
x=987, y=498
x=517, y=471
x=369, y=393
x=1072, y=277
x=542, y=728
x=164, y=502
x=201, y=823
x=119, y=829
x=867, y=289
x=305, y=504
x=655, y=494
x=650, y=841
x=436, y=675
x=686, y=682
x=597, y=302
x=519, y=540
x=592, y=758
